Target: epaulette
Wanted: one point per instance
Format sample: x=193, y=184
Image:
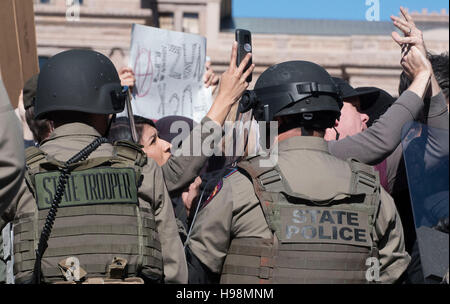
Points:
x=131, y=152
x=230, y=172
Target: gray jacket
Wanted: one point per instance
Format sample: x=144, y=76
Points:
x=382, y=140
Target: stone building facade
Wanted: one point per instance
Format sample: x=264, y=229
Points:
x=360, y=51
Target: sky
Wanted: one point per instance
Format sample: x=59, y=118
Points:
x=330, y=9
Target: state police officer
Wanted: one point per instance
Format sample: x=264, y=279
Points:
x=308, y=218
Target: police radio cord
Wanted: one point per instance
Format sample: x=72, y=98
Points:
x=233, y=164
x=195, y=216
x=50, y=220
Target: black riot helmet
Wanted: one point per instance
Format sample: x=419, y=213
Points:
x=79, y=80
x=299, y=88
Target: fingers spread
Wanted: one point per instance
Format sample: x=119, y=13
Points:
x=401, y=40
x=406, y=15
x=404, y=28
x=399, y=20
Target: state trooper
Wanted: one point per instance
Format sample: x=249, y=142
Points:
x=115, y=221
x=308, y=218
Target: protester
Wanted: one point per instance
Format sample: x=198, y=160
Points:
x=354, y=118
x=159, y=149
x=440, y=66
x=376, y=143
x=374, y=104
x=181, y=171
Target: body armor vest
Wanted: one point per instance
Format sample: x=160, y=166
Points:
x=313, y=241
x=99, y=218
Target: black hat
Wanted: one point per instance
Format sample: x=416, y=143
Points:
x=348, y=91
x=164, y=124
x=374, y=104
x=79, y=80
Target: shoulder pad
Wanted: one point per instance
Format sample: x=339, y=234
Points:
x=253, y=168
x=34, y=155
x=130, y=152
x=365, y=179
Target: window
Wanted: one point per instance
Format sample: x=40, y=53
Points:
x=49, y=1
x=191, y=23
x=167, y=21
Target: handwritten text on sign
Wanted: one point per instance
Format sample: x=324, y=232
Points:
x=169, y=68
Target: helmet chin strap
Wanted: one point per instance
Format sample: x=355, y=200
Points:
x=113, y=119
x=337, y=133
x=305, y=132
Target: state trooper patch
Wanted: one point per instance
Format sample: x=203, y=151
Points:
x=219, y=186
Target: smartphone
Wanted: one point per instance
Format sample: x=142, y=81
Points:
x=244, y=40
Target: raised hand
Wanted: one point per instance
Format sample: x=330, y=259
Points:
x=232, y=86
x=127, y=78
x=210, y=78
x=415, y=63
x=233, y=81
x=413, y=36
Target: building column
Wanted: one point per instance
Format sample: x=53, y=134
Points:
x=178, y=20
x=213, y=22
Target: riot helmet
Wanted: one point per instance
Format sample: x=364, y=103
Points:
x=79, y=80
x=299, y=88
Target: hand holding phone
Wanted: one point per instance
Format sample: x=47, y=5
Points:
x=244, y=40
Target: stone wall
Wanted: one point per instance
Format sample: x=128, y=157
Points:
x=105, y=26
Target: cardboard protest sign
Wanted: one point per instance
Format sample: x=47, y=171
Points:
x=169, y=68
x=18, y=53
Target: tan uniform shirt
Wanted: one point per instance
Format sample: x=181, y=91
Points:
x=180, y=171
x=310, y=170
x=12, y=157
x=12, y=162
x=68, y=140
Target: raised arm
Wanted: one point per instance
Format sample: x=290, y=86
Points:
x=437, y=111
x=382, y=138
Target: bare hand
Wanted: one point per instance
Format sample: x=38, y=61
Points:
x=233, y=81
x=189, y=196
x=415, y=63
x=413, y=36
x=127, y=78
x=210, y=78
